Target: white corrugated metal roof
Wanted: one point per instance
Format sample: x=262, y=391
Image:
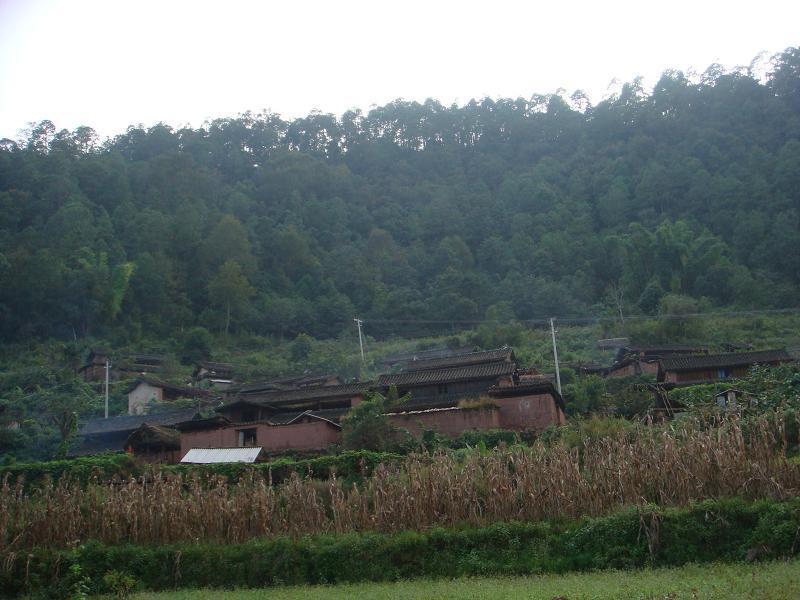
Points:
x=205, y=456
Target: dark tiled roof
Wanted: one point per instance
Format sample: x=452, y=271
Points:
x=129, y=423
x=731, y=359
x=655, y=352
x=307, y=393
x=426, y=354
x=214, y=365
x=285, y=383
x=447, y=375
x=472, y=358
x=223, y=370
x=188, y=392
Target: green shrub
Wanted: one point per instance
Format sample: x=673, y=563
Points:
x=102, y=466
x=707, y=531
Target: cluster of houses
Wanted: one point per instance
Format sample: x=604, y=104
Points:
x=449, y=391
x=447, y=394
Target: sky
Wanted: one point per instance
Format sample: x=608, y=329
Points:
x=110, y=64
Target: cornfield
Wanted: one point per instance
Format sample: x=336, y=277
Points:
x=668, y=467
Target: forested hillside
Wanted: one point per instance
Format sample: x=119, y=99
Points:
x=525, y=208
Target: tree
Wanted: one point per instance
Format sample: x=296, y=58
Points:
x=229, y=289
x=366, y=426
x=197, y=345
x=64, y=402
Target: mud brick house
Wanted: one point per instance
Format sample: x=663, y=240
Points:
x=687, y=370
x=94, y=369
x=144, y=390
x=531, y=406
x=440, y=382
x=643, y=360
x=391, y=361
x=111, y=435
x=155, y=444
x=631, y=361
x=260, y=388
x=476, y=390
x=218, y=375
x=304, y=418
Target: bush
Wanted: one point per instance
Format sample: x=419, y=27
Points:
x=707, y=531
x=102, y=466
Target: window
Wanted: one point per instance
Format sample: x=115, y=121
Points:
x=247, y=437
x=722, y=373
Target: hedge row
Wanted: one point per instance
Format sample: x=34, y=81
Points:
x=105, y=467
x=729, y=530
x=352, y=464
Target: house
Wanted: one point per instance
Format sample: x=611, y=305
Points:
x=94, y=369
x=657, y=352
x=476, y=390
x=144, y=390
x=282, y=384
x=633, y=361
x=141, y=363
x=111, y=435
x=533, y=406
x=215, y=374
x=305, y=418
x=393, y=360
x=693, y=369
x=439, y=382
x=155, y=444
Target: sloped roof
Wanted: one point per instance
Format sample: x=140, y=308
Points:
x=131, y=422
x=206, y=456
x=215, y=368
x=299, y=395
x=286, y=383
x=331, y=415
x=448, y=375
x=655, y=352
x=471, y=358
x=426, y=354
x=154, y=436
x=730, y=359
x=189, y=392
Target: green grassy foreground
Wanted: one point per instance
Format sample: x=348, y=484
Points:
x=774, y=580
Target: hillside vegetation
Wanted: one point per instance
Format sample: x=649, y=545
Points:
x=675, y=199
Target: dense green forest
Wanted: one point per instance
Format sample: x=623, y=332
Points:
x=683, y=197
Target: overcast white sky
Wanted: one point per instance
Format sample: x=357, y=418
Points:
x=112, y=63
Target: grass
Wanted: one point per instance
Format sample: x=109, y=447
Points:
x=778, y=580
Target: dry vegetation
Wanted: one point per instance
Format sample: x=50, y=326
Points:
x=666, y=466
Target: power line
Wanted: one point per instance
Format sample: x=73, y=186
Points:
x=587, y=319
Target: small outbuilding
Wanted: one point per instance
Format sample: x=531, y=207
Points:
x=155, y=443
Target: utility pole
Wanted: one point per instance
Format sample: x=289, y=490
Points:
x=359, y=322
x=108, y=368
x=555, y=354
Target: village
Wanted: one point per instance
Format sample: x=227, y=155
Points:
x=447, y=391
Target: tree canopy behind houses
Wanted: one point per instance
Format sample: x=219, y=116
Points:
x=412, y=211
